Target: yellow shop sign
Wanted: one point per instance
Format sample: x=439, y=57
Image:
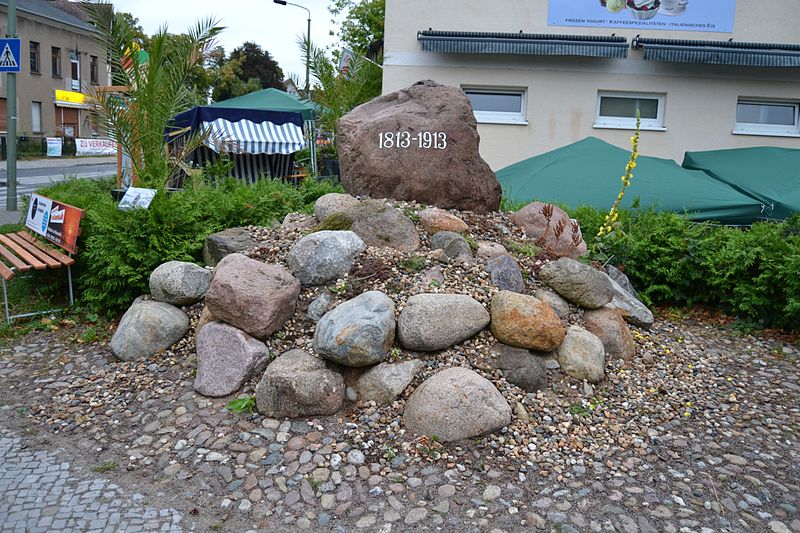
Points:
x=70, y=98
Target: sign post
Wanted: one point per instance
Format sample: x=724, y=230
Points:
x=10, y=63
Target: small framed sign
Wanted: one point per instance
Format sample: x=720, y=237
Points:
x=136, y=198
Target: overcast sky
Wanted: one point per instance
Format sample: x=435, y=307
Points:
x=273, y=26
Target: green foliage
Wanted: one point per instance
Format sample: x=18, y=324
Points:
x=119, y=249
x=363, y=23
x=528, y=249
x=108, y=466
x=412, y=264
x=242, y=405
x=508, y=205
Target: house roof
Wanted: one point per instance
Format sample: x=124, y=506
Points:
x=50, y=10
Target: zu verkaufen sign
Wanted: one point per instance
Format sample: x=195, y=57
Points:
x=680, y=15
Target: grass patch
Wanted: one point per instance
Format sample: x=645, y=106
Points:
x=412, y=264
x=334, y=222
x=242, y=405
x=521, y=248
x=108, y=466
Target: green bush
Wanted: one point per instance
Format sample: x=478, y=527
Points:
x=119, y=249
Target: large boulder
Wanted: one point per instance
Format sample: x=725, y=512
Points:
x=435, y=220
x=385, y=382
x=520, y=367
x=607, y=325
x=525, y=322
x=552, y=228
x=256, y=297
x=577, y=282
x=621, y=278
x=582, y=356
x=297, y=384
x=146, y=328
x=632, y=310
x=324, y=256
x=437, y=159
x=333, y=202
x=505, y=273
x=382, y=226
x=179, y=283
x=432, y=322
x=226, y=242
x=226, y=358
x=454, y=404
x=358, y=332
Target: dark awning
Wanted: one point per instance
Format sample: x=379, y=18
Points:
x=461, y=42
x=720, y=52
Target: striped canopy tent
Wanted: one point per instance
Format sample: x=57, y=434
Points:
x=260, y=143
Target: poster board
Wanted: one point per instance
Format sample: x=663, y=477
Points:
x=672, y=15
x=95, y=147
x=54, y=146
x=136, y=198
x=59, y=223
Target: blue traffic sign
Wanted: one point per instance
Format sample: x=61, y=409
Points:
x=9, y=55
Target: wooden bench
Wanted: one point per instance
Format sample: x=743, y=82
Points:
x=24, y=251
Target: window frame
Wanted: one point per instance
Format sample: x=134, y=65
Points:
x=33, y=125
x=500, y=117
x=35, y=51
x=629, y=123
x=94, y=70
x=767, y=130
x=55, y=61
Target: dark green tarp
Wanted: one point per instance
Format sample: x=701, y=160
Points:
x=588, y=173
x=771, y=175
x=270, y=100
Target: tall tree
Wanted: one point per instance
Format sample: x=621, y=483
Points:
x=229, y=82
x=361, y=30
x=257, y=63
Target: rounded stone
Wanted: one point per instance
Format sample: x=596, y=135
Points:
x=147, y=327
x=582, y=356
x=432, y=322
x=525, y=322
x=324, y=256
x=179, y=283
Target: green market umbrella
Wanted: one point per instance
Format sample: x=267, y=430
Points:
x=588, y=172
x=771, y=175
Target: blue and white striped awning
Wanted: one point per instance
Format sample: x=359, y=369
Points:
x=247, y=137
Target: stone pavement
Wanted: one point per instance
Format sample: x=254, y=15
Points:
x=39, y=493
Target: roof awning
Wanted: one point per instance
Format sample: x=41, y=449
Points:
x=720, y=52
x=459, y=42
x=245, y=136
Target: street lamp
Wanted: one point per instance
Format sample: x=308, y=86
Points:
x=308, y=39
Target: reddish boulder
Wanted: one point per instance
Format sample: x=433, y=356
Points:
x=421, y=144
x=551, y=227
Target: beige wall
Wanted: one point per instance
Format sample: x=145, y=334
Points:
x=700, y=103
x=41, y=87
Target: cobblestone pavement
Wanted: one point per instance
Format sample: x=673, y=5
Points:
x=39, y=493
x=728, y=462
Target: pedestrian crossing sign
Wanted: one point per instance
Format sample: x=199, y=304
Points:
x=9, y=55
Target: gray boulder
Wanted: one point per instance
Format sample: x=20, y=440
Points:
x=256, y=297
x=452, y=244
x=582, y=356
x=179, y=283
x=577, y=282
x=320, y=306
x=226, y=358
x=385, y=382
x=632, y=310
x=358, y=332
x=333, y=202
x=505, y=273
x=622, y=280
x=383, y=226
x=324, y=256
x=432, y=322
x=146, y=328
x=226, y=242
x=520, y=367
x=559, y=304
x=297, y=384
x=454, y=404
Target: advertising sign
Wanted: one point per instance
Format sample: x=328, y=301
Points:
x=54, y=146
x=55, y=221
x=136, y=198
x=95, y=147
x=675, y=15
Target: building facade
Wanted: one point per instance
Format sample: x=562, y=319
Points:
x=542, y=74
x=62, y=63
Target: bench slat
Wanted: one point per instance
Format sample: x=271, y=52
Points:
x=36, y=252
x=22, y=266
x=55, y=254
x=6, y=272
x=23, y=254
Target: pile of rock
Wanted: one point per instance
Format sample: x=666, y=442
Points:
x=571, y=317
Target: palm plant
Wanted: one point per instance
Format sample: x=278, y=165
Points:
x=150, y=88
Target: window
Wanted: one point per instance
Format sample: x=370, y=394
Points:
x=618, y=110
x=36, y=117
x=94, y=76
x=56, y=57
x=765, y=117
x=34, y=57
x=75, y=70
x=497, y=106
